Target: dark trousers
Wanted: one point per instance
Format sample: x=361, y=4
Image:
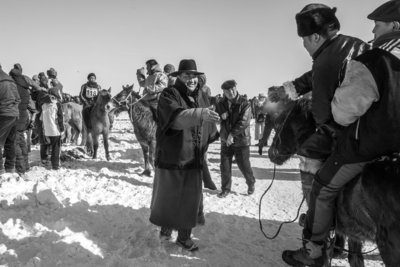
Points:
x=242, y=156
x=7, y=141
x=55, y=145
x=328, y=183
x=21, y=153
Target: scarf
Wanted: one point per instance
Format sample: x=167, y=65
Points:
x=92, y=84
x=388, y=41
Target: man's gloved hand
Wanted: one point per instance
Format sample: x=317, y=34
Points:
x=224, y=116
x=229, y=140
x=209, y=115
x=276, y=93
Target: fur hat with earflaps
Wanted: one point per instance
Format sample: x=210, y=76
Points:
x=313, y=18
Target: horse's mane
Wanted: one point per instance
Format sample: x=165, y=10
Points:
x=295, y=107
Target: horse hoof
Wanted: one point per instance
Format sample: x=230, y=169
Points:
x=146, y=173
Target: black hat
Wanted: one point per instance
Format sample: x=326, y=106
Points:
x=388, y=12
x=315, y=17
x=90, y=75
x=228, y=84
x=186, y=65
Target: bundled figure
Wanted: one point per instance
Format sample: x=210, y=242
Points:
x=89, y=91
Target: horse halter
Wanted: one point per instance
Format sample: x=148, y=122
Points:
x=123, y=102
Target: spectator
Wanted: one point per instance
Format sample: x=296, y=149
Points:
x=9, y=101
x=259, y=117
x=168, y=69
x=235, y=113
x=185, y=128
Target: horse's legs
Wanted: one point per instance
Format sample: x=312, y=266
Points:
x=152, y=153
x=84, y=135
x=95, y=144
x=105, y=140
x=356, y=259
x=145, y=149
x=388, y=241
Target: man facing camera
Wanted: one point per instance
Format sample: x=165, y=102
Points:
x=235, y=113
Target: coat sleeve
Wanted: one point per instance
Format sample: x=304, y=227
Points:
x=243, y=122
x=355, y=95
x=188, y=118
x=60, y=117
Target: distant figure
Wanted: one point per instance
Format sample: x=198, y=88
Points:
x=9, y=101
x=155, y=82
x=168, y=69
x=89, y=91
x=56, y=86
x=259, y=117
x=53, y=128
x=235, y=114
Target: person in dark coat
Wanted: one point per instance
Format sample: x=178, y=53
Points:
x=25, y=107
x=89, y=91
x=185, y=128
x=366, y=104
x=235, y=113
x=9, y=101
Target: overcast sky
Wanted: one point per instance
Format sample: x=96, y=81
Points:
x=252, y=41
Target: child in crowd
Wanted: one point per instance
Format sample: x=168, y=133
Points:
x=53, y=127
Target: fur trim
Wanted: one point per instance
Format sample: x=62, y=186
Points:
x=290, y=90
x=314, y=20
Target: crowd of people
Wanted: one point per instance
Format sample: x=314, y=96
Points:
x=354, y=96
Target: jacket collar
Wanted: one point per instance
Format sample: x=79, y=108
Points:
x=324, y=45
x=384, y=40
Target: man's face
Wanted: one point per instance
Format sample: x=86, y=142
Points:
x=230, y=93
x=311, y=43
x=92, y=79
x=382, y=28
x=190, y=80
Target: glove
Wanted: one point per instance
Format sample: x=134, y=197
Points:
x=224, y=116
x=229, y=140
x=276, y=93
x=260, y=150
x=209, y=115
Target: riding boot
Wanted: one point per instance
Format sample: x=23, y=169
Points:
x=310, y=254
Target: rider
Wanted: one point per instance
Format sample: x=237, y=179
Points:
x=155, y=82
x=367, y=104
x=89, y=91
x=318, y=26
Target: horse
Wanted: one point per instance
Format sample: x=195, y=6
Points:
x=143, y=123
x=368, y=208
x=73, y=122
x=97, y=121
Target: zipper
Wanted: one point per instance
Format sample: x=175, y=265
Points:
x=357, y=128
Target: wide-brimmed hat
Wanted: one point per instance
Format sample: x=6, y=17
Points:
x=188, y=66
x=387, y=12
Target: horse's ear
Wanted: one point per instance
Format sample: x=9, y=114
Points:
x=109, y=90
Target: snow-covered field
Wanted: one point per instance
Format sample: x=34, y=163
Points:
x=95, y=213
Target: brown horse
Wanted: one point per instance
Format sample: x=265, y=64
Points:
x=73, y=122
x=97, y=121
x=368, y=208
x=143, y=123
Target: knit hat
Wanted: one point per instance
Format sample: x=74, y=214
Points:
x=18, y=66
x=315, y=17
x=52, y=73
x=388, y=12
x=90, y=75
x=169, y=68
x=228, y=84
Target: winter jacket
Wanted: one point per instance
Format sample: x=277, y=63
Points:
x=368, y=102
x=182, y=136
x=52, y=118
x=89, y=92
x=330, y=61
x=9, y=97
x=23, y=87
x=237, y=122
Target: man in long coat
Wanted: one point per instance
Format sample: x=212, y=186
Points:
x=185, y=129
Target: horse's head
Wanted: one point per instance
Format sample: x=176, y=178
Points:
x=293, y=124
x=125, y=97
x=104, y=100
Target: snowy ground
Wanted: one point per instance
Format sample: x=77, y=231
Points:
x=95, y=213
